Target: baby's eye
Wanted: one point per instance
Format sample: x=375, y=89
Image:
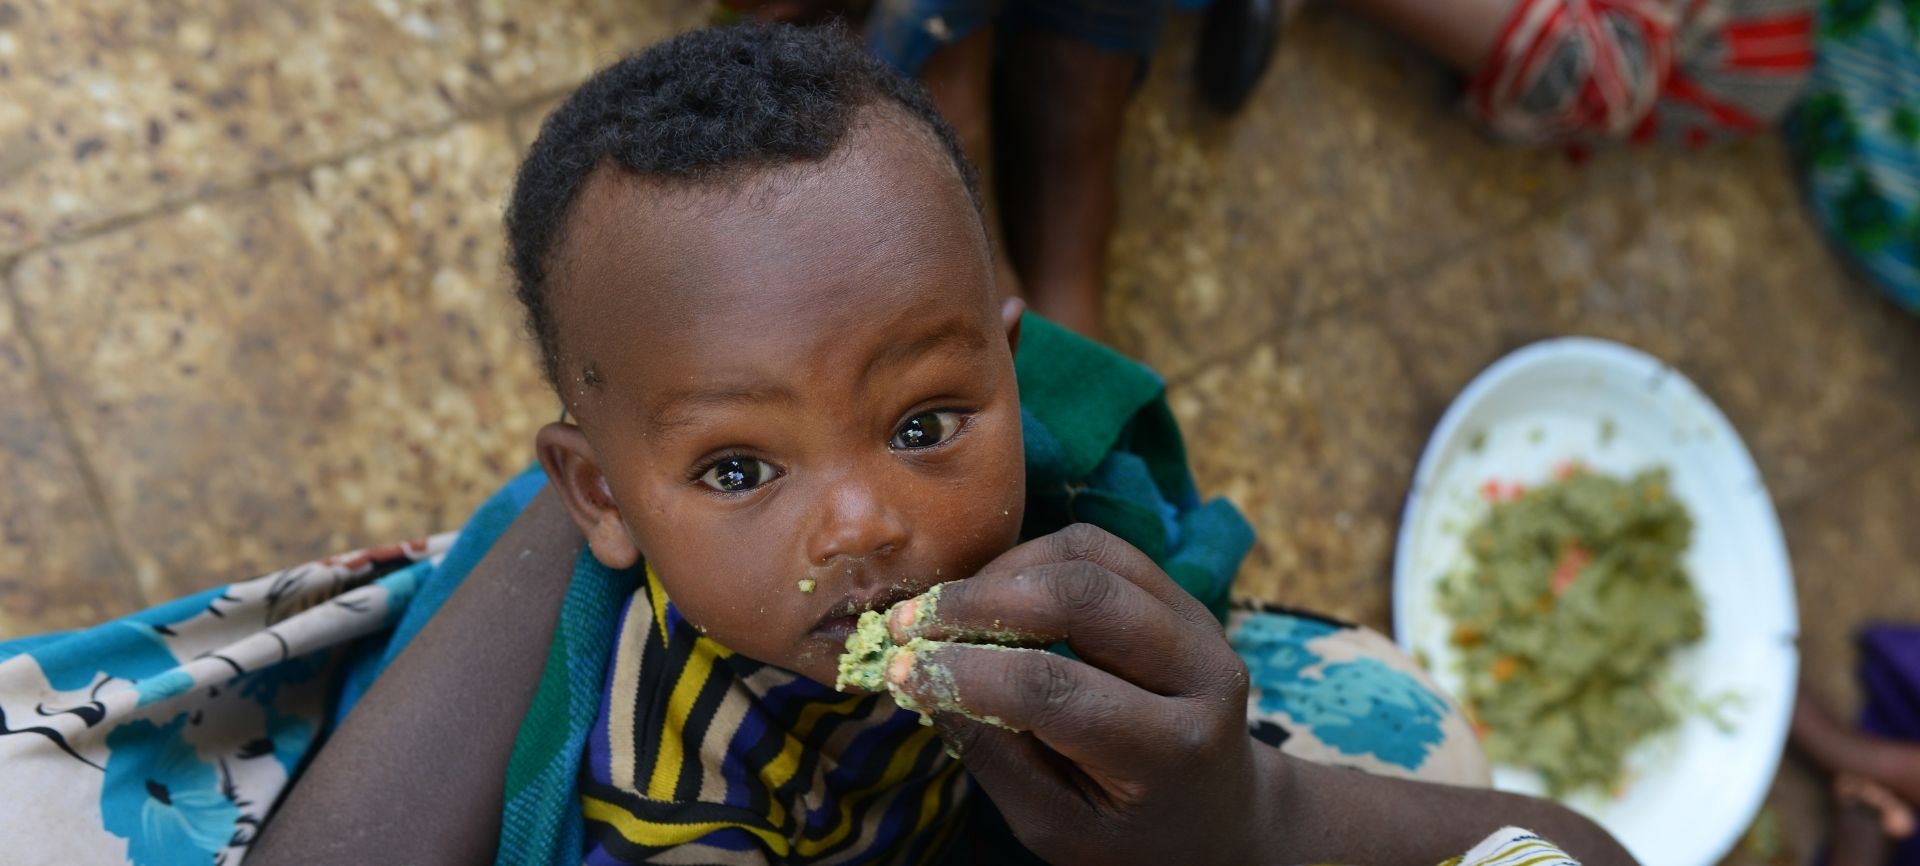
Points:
x=738, y=474
x=926, y=430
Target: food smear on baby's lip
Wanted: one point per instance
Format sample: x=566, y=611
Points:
x=806, y=585
x=1565, y=618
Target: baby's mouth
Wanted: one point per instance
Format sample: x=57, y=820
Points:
x=836, y=629
x=841, y=620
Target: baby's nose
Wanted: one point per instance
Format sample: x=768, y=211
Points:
x=856, y=521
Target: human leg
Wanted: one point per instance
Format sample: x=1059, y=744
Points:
x=1062, y=106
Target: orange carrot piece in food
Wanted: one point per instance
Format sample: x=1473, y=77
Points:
x=1572, y=559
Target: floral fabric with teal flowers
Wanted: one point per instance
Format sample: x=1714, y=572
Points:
x=1858, y=138
x=163, y=738
x=1335, y=693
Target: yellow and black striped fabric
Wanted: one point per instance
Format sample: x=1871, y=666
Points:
x=699, y=755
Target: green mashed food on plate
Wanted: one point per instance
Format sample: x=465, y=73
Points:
x=1571, y=604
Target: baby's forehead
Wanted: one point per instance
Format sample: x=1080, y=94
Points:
x=670, y=286
x=887, y=210
x=793, y=355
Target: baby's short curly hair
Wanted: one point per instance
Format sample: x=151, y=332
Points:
x=708, y=106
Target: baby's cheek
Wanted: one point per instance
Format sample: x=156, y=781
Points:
x=753, y=621
x=982, y=527
x=720, y=592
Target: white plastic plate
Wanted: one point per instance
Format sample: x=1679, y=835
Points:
x=1691, y=793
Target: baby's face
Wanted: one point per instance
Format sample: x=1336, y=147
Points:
x=800, y=393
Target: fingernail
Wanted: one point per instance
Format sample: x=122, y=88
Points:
x=901, y=667
x=902, y=617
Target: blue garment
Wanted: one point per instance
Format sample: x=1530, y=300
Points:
x=1890, y=677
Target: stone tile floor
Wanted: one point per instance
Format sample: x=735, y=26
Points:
x=255, y=309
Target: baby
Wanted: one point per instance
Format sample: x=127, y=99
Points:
x=755, y=265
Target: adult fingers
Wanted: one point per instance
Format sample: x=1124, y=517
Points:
x=1105, y=726
x=1084, y=542
x=1112, y=623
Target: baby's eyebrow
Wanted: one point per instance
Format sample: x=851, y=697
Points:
x=683, y=408
x=954, y=337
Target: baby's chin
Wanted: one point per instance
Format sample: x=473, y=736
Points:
x=816, y=659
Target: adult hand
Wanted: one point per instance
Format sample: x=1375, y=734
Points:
x=1139, y=753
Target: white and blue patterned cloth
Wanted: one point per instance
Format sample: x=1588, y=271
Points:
x=1334, y=693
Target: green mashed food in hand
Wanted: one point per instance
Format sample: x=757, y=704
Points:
x=1572, y=602
x=869, y=650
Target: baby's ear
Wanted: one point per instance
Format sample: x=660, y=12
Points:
x=576, y=476
x=1010, y=311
